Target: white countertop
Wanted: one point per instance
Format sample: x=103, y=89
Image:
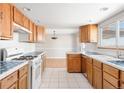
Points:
x=104, y=59
x=10, y=71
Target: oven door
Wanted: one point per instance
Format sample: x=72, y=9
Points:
x=36, y=74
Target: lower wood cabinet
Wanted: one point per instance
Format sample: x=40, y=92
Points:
x=83, y=64
x=16, y=80
x=8, y=81
x=74, y=62
x=23, y=82
x=122, y=80
x=111, y=75
x=23, y=77
x=14, y=86
x=89, y=68
x=97, y=74
x=107, y=85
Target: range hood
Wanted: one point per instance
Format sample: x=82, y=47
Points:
x=20, y=29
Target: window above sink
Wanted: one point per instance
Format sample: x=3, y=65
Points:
x=112, y=35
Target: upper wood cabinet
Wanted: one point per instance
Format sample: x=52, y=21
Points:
x=88, y=33
x=31, y=37
x=26, y=22
x=35, y=33
x=17, y=16
x=40, y=34
x=5, y=21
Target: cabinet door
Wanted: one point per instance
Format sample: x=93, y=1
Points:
x=5, y=21
x=40, y=33
x=83, y=64
x=97, y=78
x=23, y=82
x=31, y=37
x=26, y=22
x=35, y=33
x=89, y=71
x=74, y=65
x=18, y=17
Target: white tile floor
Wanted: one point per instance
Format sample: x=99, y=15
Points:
x=59, y=78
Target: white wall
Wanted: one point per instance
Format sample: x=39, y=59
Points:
x=57, y=48
x=14, y=43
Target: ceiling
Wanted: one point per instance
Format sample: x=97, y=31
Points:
x=68, y=15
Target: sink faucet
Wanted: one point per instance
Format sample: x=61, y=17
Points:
x=119, y=54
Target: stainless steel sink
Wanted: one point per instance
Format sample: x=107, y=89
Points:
x=92, y=53
x=117, y=62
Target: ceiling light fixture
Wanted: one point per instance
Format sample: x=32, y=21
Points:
x=54, y=37
x=26, y=9
x=104, y=9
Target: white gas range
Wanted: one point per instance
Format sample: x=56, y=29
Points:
x=34, y=61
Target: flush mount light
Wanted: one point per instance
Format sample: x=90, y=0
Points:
x=26, y=9
x=104, y=9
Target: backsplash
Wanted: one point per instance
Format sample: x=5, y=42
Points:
x=92, y=47
x=14, y=43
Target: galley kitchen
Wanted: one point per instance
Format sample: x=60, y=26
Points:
x=61, y=46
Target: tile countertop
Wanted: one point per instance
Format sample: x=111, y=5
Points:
x=105, y=59
x=7, y=70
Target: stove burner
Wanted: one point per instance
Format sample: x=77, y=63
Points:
x=25, y=58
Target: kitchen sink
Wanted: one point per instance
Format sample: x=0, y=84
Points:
x=93, y=53
x=117, y=62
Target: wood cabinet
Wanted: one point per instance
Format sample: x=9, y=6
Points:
x=23, y=82
x=89, y=68
x=23, y=77
x=26, y=22
x=111, y=76
x=83, y=64
x=8, y=81
x=74, y=62
x=5, y=21
x=17, y=16
x=16, y=80
x=88, y=33
x=40, y=34
x=35, y=33
x=97, y=74
x=14, y=86
x=31, y=37
x=122, y=80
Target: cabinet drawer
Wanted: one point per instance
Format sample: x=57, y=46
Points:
x=74, y=55
x=23, y=70
x=97, y=64
x=107, y=85
x=14, y=86
x=9, y=80
x=112, y=80
x=111, y=70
